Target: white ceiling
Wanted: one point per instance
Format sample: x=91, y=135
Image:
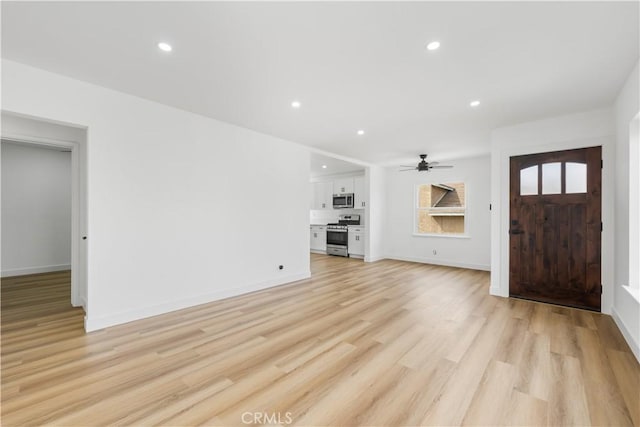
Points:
x=352, y=65
x=333, y=166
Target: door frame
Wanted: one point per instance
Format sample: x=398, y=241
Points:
x=500, y=173
x=78, y=209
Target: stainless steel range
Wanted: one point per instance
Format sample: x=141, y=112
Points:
x=337, y=235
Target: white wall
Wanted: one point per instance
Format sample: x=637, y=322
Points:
x=182, y=209
x=376, y=214
x=578, y=130
x=36, y=210
x=634, y=203
x=626, y=310
x=469, y=252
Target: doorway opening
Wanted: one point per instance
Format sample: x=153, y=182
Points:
x=44, y=208
x=338, y=209
x=555, y=227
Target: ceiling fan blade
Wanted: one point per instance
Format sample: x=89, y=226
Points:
x=434, y=163
x=406, y=166
x=407, y=170
x=440, y=167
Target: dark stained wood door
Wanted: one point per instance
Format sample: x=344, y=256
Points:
x=555, y=227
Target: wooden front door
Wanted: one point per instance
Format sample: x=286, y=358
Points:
x=555, y=227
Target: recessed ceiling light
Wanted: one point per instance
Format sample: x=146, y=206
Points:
x=474, y=103
x=360, y=132
x=296, y=104
x=433, y=45
x=324, y=166
x=166, y=47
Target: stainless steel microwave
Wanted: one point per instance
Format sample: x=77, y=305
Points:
x=343, y=201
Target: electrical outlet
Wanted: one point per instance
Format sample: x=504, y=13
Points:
x=435, y=252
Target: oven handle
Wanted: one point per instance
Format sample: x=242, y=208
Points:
x=336, y=231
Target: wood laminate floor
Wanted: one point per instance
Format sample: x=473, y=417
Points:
x=389, y=343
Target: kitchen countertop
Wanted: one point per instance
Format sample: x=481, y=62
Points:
x=324, y=225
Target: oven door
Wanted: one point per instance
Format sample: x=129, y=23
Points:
x=337, y=237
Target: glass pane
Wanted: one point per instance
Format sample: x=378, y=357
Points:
x=551, y=178
x=576, y=178
x=529, y=181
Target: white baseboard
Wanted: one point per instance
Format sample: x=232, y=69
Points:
x=373, y=258
x=83, y=303
x=634, y=346
x=437, y=261
x=95, y=323
x=35, y=270
x=497, y=292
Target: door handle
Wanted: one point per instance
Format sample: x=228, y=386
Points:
x=516, y=232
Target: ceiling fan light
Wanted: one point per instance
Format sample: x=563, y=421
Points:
x=424, y=166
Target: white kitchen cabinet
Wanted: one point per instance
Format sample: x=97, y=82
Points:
x=322, y=195
x=359, y=197
x=343, y=185
x=318, y=236
x=355, y=242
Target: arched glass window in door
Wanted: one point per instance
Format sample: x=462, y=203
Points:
x=529, y=181
x=552, y=178
x=576, y=178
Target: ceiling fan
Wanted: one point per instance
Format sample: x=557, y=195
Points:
x=423, y=165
